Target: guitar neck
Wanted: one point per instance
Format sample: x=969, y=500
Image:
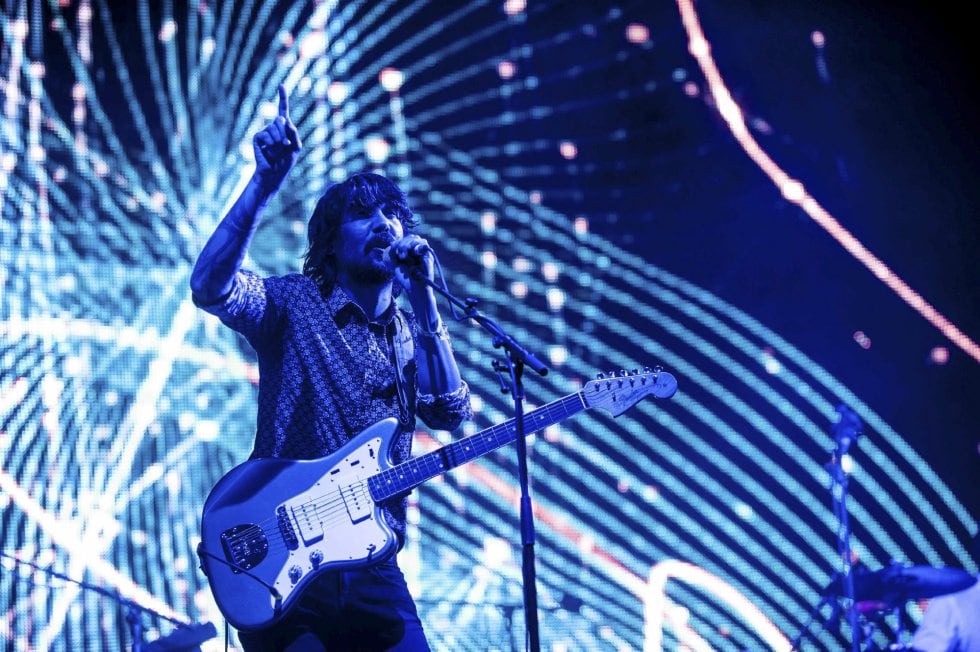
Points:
x=408, y=475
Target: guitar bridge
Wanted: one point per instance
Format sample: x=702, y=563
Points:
x=245, y=546
x=286, y=528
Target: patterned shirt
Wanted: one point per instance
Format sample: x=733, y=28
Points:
x=326, y=372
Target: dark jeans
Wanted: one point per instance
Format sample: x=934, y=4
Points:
x=364, y=610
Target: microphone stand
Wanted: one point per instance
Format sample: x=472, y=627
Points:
x=516, y=357
x=193, y=634
x=846, y=431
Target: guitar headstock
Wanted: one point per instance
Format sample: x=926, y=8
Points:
x=619, y=391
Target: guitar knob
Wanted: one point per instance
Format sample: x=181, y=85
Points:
x=295, y=573
x=315, y=558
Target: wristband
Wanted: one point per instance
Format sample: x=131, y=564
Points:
x=440, y=332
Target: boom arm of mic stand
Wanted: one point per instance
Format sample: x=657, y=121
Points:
x=517, y=353
x=845, y=431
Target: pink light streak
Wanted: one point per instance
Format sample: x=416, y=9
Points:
x=650, y=591
x=795, y=192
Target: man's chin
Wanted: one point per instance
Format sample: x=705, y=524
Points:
x=373, y=271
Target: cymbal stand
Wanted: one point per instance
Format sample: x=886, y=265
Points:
x=900, y=628
x=846, y=431
x=875, y=622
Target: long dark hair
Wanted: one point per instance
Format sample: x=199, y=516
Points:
x=359, y=192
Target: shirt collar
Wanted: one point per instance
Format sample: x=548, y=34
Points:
x=344, y=309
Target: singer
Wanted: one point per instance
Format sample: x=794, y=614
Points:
x=336, y=354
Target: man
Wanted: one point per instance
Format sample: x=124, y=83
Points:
x=336, y=355
x=951, y=622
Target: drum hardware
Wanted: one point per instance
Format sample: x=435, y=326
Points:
x=883, y=593
x=896, y=584
x=864, y=596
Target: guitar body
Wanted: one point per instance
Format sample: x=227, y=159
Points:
x=277, y=524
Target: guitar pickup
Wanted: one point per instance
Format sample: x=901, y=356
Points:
x=357, y=501
x=308, y=521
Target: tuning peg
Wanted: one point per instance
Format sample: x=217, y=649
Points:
x=634, y=371
x=600, y=376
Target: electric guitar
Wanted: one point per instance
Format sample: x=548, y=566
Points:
x=270, y=525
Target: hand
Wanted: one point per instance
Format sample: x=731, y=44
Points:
x=409, y=256
x=276, y=147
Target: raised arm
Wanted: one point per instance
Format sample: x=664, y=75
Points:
x=276, y=148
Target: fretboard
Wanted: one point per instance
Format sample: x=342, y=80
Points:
x=417, y=470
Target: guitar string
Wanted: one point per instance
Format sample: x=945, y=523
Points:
x=330, y=513
x=385, y=477
x=486, y=435
x=331, y=508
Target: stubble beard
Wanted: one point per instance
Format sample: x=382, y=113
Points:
x=371, y=272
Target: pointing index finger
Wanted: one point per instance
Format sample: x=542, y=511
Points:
x=283, y=102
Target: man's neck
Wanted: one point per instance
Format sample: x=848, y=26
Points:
x=373, y=299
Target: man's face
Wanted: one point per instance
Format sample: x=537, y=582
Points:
x=361, y=243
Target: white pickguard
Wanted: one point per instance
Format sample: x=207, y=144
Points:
x=335, y=519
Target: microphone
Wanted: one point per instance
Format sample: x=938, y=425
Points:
x=412, y=258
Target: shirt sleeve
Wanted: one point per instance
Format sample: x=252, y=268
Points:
x=251, y=307
x=445, y=411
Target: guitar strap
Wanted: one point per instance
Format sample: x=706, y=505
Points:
x=403, y=348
